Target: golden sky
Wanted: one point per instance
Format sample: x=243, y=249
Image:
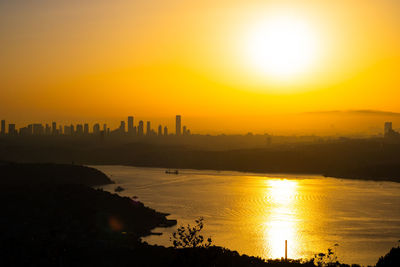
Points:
x=99, y=60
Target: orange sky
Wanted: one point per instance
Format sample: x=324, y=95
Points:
x=74, y=61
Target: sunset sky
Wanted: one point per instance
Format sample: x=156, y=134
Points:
x=213, y=62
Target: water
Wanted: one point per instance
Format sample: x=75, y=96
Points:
x=255, y=213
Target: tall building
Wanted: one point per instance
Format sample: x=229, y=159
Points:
x=130, y=125
x=30, y=129
x=165, y=131
x=60, y=131
x=388, y=128
x=148, y=130
x=105, y=129
x=122, y=127
x=86, y=128
x=178, y=125
x=3, y=127
x=47, y=129
x=79, y=129
x=24, y=131
x=72, y=130
x=38, y=129
x=11, y=129
x=140, y=128
x=184, y=130
x=159, y=130
x=96, y=129
x=53, y=128
x=67, y=130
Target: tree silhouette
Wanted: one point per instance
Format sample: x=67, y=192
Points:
x=190, y=237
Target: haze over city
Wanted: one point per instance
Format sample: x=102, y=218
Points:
x=100, y=60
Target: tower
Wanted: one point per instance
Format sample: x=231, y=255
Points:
x=86, y=129
x=3, y=127
x=96, y=129
x=130, y=125
x=54, y=128
x=388, y=128
x=140, y=128
x=148, y=130
x=159, y=130
x=122, y=127
x=178, y=125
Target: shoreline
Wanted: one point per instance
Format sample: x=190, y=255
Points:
x=337, y=176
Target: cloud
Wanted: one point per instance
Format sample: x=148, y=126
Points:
x=366, y=112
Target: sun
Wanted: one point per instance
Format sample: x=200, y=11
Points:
x=282, y=46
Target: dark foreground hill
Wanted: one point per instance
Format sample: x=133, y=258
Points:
x=50, y=222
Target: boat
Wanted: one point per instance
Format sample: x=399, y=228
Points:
x=172, y=172
x=119, y=189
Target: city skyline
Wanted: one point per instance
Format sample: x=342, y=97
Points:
x=81, y=129
x=203, y=65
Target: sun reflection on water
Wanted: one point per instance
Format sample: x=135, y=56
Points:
x=281, y=220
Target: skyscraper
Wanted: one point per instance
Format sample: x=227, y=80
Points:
x=130, y=125
x=79, y=129
x=54, y=128
x=184, y=130
x=148, y=130
x=140, y=128
x=388, y=128
x=159, y=130
x=47, y=129
x=72, y=129
x=96, y=129
x=122, y=127
x=3, y=127
x=38, y=129
x=178, y=125
x=86, y=128
x=67, y=130
x=11, y=129
x=165, y=131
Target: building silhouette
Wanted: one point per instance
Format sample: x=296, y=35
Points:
x=38, y=129
x=54, y=128
x=122, y=127
x=3, y=127
x=96, y=129
x=86, y=129
x=47, y=129
x=11, y=129
x=178, y=125
x=67, y=130
x=389, y=133
x=148, y=128
x=130, y=125
x=387, y=128
x=140, y=128
x=79, y=129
